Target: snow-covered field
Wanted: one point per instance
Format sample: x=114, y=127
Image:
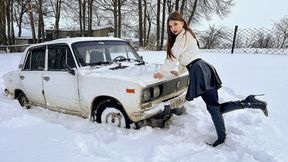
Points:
x=44, y=136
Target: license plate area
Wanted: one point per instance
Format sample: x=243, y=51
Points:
x=177, y=102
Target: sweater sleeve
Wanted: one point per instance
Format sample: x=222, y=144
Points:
x=181, y=69
x=168, y=66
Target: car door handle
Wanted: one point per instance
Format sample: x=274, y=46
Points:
x=21, y=77
x=46, y=78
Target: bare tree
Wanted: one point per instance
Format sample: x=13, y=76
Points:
x=140, y=23
x=115, y=17
x=149, y=29
x=170, y=6
x=82, y=15
x=183, y=4
x=213, y=37
x=196, y=10
x=31, y=18
x=40, y=21
x=250, y=40
x=119, y=13
x=10, y=22
x=177, y=5
x=262, y=40
x=192, y=12
x=90, y=16
x=95, y=14
x=20, y=10
x=115, y=7
x=158, y=24
x=3, y=38
x=8, y=19
x=120, y=3
x=163, y=24
x=56, y=8
x=282, y=32
x=145, y=23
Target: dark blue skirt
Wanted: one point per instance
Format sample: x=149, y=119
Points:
x=203, y=77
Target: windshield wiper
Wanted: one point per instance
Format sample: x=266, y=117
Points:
x=127, y=59
x=120, y=59
x=99, y=63
x=118, y=67
x=140, y=63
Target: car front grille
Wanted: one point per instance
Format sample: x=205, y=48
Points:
x=174, y=85
x=168, y=89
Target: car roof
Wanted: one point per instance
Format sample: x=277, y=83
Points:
x=78, y=39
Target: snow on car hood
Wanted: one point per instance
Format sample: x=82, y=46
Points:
x=141, y=74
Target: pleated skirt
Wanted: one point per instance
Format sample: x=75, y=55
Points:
x=203, y=77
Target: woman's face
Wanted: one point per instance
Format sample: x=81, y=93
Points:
x=175, y=26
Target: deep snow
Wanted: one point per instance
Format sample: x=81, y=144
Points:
x=42, y=135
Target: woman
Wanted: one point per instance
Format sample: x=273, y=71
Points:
x=182, y=54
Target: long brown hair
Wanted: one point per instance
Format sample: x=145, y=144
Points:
x=176, y=16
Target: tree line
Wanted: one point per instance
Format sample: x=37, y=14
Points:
x=145, y=18
x=222, y=37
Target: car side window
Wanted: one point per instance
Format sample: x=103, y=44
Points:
x=58, y=57
x=35, y=60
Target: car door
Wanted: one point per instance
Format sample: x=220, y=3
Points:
x=60, y=86
x=31, y=75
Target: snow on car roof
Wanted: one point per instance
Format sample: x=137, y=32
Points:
x=79, y=39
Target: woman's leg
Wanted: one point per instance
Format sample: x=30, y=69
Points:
x=249, y=102
x=211, y=99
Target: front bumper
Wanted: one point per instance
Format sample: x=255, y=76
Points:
x=163, y=107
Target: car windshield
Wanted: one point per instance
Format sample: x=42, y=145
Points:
x=104, y=52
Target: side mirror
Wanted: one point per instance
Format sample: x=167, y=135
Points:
x=72, y=72
x=69, y=69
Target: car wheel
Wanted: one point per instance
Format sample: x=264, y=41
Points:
x=109, y=112
x=23, y=100
x=178, y=111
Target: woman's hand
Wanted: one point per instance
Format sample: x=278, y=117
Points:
x=174, y=73
x=158, y=76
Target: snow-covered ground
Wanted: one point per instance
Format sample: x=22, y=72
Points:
x=42, y=135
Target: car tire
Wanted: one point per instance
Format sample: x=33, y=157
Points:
x=23, y=100
x=179, y=111
x=111, y=112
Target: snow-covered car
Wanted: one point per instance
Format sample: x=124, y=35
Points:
x=100, y=78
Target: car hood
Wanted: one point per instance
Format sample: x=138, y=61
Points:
x=141, y=74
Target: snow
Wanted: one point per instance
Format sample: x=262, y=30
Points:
x=42, y=135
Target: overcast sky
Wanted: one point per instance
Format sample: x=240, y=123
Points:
x=252, y=14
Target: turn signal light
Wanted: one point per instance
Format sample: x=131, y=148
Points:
x=130, y=90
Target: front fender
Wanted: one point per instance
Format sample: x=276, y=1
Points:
x=12, y=82
x=127, y=93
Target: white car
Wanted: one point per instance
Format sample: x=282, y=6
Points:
x=100, y=78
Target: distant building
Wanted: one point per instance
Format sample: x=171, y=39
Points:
x=64, y=33
x=21, y=43
x=23, y=40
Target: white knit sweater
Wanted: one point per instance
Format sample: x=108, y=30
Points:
x=185, y=50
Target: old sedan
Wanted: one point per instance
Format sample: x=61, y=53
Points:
x=100, y=78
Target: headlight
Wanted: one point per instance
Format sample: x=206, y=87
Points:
x=146, y=94
x=156, y=92
x=151, y=93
